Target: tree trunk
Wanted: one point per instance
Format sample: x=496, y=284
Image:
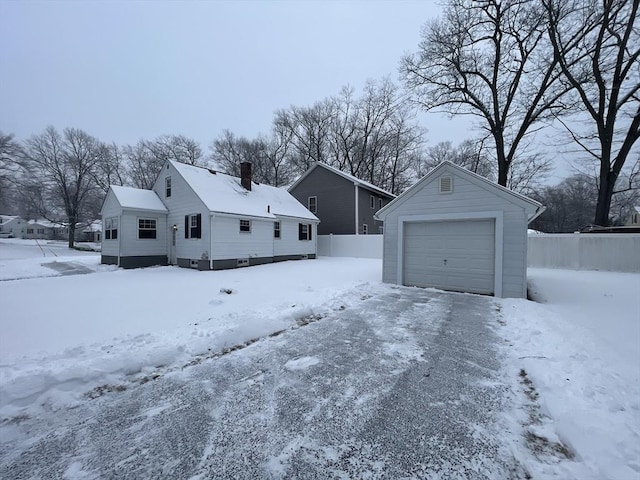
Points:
x=605, y=192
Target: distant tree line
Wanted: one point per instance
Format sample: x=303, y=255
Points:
x=516, y=66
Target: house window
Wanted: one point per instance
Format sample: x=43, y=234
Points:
x=30, y=231
x=193, y=226
x=167, y=187
x=111, y=228
x=379, y=203
x=276, y=229
x=41, y=231
x=365, y=229
x=146, y=228
x=245, y=226
x=304, y=231
x=372, y=201
x=313, y=204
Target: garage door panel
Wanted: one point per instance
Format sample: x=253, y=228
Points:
x=451, y=255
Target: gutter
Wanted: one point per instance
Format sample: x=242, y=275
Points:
x=541, y=209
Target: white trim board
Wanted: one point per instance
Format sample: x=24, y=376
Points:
x=497, y=216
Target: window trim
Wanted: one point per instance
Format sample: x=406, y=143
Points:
x=167, y=186
x=315, y=204
x=372, y=202
x=111, y=228
x=379, y=203
x=246, y=223
x=305, y=232
x=147, y=227
x=191, y=230
x=277, y=232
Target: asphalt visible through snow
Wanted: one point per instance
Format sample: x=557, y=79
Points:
x=403, y=385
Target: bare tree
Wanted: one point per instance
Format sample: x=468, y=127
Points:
x=60, y=169
x=176, y=147
x=10, y=153
x=489, y=59
x=471, y=154
x=142, y=166
x=110, y=168
x=598, y=48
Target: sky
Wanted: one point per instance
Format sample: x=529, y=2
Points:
x=123, y=71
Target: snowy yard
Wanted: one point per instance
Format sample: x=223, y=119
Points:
x=571, y=361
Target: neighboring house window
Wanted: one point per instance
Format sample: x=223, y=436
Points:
x=276, y=230
x=379, y=203
x=380, y=229
x=304, y=231
x=111, y=228
x=167, y=186
x=372, y=201
x=41, y=231
x=313, y=204
x=146, y=228
x=29, y=230
x=365, y=229
x=193, y=226
x=245, y=226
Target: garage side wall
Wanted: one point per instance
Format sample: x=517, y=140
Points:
x=467, y=197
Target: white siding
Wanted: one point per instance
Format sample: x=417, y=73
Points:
x=131, y=245
x=111, y=208
x=229, y=242
x=467, y=197
x=183, y=201
x=289, y=244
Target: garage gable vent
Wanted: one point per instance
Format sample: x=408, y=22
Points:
x=446, y=184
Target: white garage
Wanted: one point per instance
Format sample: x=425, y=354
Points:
x=455, y=230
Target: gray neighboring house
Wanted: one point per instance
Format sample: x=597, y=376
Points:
x=344, y=204
x=11, y=226
x=455, y=230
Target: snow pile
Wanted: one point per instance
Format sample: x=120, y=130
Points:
x=576, y=356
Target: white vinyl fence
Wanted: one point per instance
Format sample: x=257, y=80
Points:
x=361, y=246
x=615, y=252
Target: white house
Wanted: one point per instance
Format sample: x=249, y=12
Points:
x=12, y=226
x=458, y=231
x=199, y=218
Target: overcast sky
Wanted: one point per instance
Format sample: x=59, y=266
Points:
x=128, y=70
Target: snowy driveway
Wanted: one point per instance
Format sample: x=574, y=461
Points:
x=405, y=384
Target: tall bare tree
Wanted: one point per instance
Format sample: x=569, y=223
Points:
x=597, y=44
x=489, y=59
x=10, y=153
x=60, y=168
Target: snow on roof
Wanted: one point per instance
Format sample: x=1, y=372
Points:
x=137, y=198
x=95, y=226
x=351, y=178
x=223, y=193
x=8, y=218
x=46, y=223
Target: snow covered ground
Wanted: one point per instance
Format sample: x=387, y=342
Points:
x=572, y=361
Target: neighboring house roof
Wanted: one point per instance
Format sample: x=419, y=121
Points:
x=8, y=218
x=41, y=222
x=351, y=178
x=534, y=208
x=93, y=227
x=223, y=193
x=138, y=199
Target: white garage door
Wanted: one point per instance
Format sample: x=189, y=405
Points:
x=451, y=255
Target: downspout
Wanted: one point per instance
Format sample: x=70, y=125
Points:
x=211, y=217
x=357, y=204
x=119, y=237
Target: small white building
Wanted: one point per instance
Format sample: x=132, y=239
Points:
x=199, y=218
x=12, y=226
x=455, y=230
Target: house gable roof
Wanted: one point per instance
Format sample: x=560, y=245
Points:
x=224, y=194
x=137, y=199
x=351, y=178
x=532, y=207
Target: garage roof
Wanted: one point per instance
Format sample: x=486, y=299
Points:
x=532, y=207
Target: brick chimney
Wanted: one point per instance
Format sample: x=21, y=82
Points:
x=245, y=175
